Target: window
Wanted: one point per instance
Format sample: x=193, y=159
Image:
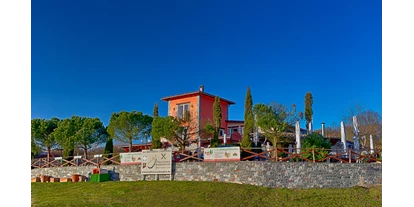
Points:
x=181, y=109
x=221, y=132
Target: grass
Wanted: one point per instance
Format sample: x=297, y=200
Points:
x=181, y=193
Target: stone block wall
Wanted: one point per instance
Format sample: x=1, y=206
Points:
x=268, y=174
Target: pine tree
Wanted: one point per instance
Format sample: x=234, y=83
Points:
x=248, y=120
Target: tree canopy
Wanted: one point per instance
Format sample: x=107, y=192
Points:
x=91, y=132
x=128, y=126
x=273, y=120
x=42, y=134
x=66, y=133
x=162, y=127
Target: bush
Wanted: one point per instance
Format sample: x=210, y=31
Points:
x=316, y=141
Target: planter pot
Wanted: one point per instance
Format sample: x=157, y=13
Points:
x=54, y=180
x=75, y=178
x=96, y=171
x=64, y=180
x=44, y=178
x=36, y=179
x=100, y=177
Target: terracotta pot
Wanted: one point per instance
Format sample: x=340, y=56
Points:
x=44, y=178
x=36, y=179
x=96, y=171
x=54, y=180
x=75, y=178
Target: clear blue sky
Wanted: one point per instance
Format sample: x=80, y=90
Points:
x=92, y=58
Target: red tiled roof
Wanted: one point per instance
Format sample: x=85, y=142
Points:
x=194, y=93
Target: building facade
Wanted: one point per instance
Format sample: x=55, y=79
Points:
x=200, y=105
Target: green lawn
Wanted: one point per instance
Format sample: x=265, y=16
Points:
x=180, y=193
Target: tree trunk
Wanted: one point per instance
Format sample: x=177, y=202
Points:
x=130, y=145
x=275, y=147
x=48, y=156
x=85, y=152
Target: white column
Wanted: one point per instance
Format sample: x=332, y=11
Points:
x=371, y=144
x=343, y=135
x=225, y=138
x=310, y=127
x=297, y=130
x=256, y=138
x=323, y=129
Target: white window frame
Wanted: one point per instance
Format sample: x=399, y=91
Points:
x=183, y=109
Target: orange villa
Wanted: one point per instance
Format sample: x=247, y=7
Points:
x=200, y=105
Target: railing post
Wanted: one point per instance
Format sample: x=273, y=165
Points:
x=276, y=153
x=313, y=153
x=349, y=155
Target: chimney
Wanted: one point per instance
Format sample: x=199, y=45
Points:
x=323, y=129
x=202, y=89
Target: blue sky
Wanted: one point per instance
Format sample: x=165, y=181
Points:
x=92, y=58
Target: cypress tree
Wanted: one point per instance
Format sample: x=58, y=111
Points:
x=248, y=120
x=155, y=111
x=109, y=147
x=308, y=108
x=156, y=136
x=217, y=121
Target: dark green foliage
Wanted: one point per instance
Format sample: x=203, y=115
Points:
x=217, y=116
x=214, y=142
x=316, y=141
x=128, y=126
x=156, y=136
x=91, y=132
x=161, y=126
x=273, y=121
x=156, y=144
x=308, y=108
x=208, y=131
x=81, y=132
x=155, y=112
x=248, y=120
x=66, y=132
x=43, y=135
x=217, y=113
x=109, y=146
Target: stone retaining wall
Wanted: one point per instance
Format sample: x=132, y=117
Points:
x=268, y=174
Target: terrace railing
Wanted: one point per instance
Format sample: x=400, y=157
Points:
x=315, y=155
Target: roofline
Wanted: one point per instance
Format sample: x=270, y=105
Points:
x=238, y=121
x=134, y=145
x=194, y=93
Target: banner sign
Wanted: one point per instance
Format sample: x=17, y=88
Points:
x=131, y=158
x=222, y=154
x=157, y=161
